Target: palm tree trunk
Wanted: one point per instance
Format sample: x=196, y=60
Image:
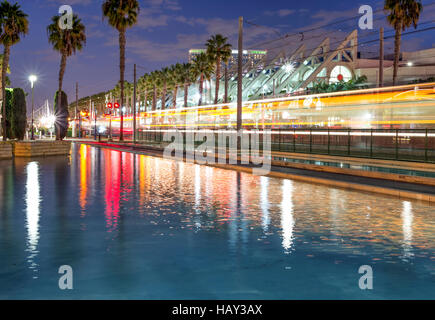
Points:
x=164, y=95
x=201, y=83
x=397, y=39
x=58, y=110
x=186, y=93
x=218, y=75
x=226, y=84
x=175, y=96
x=6, y=53
x=122, y=70
x=154, y=98
x=145, y=99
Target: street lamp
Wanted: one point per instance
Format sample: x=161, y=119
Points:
x=32, y=80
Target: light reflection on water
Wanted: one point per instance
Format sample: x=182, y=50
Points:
x=32, y=214
x=228, y=234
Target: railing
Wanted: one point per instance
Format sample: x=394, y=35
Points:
x=389, y=144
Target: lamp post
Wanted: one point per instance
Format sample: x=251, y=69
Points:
x=32, y=80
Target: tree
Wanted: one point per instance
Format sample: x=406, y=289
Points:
x=19, y=109
x=8, y=119
x=13, y=25
x=203, y=67
x=219, y=51
x=143, y=87
x=121, y=15
x=175, y=80
x=187, y=76
x=8, y=81
x=67, y=42
x=61, y=112
x=402, y=14
x=155, y=81
x=164, y=77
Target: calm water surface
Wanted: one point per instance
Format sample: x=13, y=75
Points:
x=133, y=226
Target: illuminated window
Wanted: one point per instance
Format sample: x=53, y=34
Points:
x=340, y=73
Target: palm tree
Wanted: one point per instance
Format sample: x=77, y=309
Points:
x=164, y=77
x=402, y=14
x=13, y=25
x=67, y=42
x=187, y=76
x=121, y=14
x=142, y=87
x=176, y=71
x=8, y=71
x=203, y=67
x=155, y=82
x=220, y=51
x=128, y=89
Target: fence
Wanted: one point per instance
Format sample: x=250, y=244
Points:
x=388, y=144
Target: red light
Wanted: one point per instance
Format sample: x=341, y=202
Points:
x=110, y=105
x=116, y=105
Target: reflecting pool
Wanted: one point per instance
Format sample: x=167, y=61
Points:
x=134, y=226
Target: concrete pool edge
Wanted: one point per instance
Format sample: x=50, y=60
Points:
x=398, y=193
x=6, y=150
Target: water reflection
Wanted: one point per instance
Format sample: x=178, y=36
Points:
x=112, y=188
x=188, y=196
x=83, y=177
x=32, y=214
x=264, y=199
x=407, y=229
x=156, y=228
x=287, y=220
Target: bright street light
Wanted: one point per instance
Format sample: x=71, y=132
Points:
x=32, y=79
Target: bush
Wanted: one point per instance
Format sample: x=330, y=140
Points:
x=61, y=113
x=9, y=113
x=353, y=84
x=18, y=117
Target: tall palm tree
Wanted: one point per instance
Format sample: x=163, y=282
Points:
x=8, y=71
x=220, y=51
x=128, y=89
x=164, y=77
x=67, y=42
x=155, y=81
x=121, y=14
x=187, y=76
x=13, y=25
x=203, y=67
x=176, y=71
x=402, y=14
x=142, y=87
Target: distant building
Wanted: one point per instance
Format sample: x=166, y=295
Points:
x=249, y=56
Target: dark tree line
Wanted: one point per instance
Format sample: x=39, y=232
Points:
x=16, y=120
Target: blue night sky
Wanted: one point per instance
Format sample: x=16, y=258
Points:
x=167, y=29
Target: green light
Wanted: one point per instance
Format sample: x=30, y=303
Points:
x=197, y=50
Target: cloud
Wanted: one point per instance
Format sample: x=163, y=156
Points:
x=148, y=21
x=71, y=2
x=163, y=4
x=280, y=13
